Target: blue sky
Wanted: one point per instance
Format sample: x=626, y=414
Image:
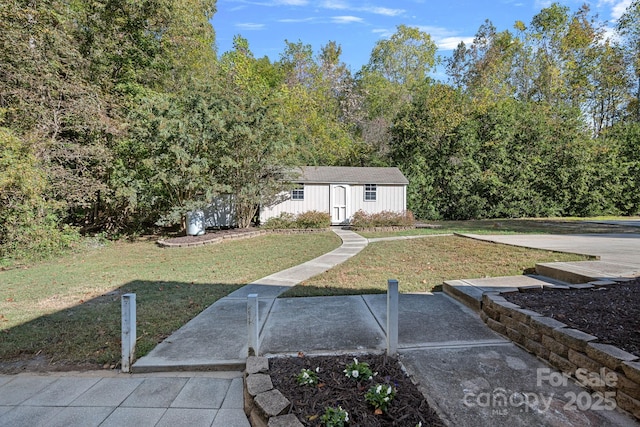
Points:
x=356, y=25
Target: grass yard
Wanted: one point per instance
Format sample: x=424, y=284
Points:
x=421, y=264
x=67, y=311
x=516, y=226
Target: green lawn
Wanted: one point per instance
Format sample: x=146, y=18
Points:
x=68, y=309
x=422, y=264
x=515, y=226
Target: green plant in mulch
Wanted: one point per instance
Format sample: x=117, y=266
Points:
x=380, y=396
x=335, y=417
x=308, y=377
x=358, y=371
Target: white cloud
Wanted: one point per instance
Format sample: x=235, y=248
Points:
x=619, y=8
x=248, y=26
x=291, y=2
x=345, y=19
x=343, y=5
x=542, y=4
x=450, y=43
x=383, y=11
x=295, y=21
x=383, y=32
x=444, y=38
x=334, y=5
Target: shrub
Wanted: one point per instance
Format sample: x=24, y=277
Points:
x=285, y=220
x=310, y=219
x=313, y=219
x=362, y=219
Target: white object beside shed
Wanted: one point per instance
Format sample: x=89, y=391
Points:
x=342, y=191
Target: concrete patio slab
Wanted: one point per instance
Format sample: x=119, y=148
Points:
x=504, y=386
x=321, y=324
x=431, y=320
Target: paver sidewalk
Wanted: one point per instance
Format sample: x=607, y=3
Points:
x=103, y=399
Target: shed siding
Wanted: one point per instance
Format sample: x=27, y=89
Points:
x=316, y=198
x=388, y=198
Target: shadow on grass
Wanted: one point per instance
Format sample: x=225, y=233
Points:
x=88, y=335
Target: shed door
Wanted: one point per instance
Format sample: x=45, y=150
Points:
x=339, y=197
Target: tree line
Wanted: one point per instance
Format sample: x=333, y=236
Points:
x=118, y=114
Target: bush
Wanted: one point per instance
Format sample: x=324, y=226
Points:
x=29, y=223
x=311, y=219
x=362, y=219
x=284, y=221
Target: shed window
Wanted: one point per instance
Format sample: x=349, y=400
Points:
x=298, y=193
x=370, y=192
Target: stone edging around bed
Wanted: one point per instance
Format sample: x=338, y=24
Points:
x=568, y=350
x=264, y=405
x=244, y=235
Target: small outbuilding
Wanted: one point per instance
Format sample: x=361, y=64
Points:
x=342, y=191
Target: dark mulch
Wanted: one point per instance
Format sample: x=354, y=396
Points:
x=308, y=403
x=611, y=313
x=209, y=235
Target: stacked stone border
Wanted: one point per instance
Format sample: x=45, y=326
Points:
x=264, y=405
x=212, y=238
x=566, y=349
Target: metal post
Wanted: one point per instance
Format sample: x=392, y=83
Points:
x=253, y=324
x=128, y=331
x=392, y=317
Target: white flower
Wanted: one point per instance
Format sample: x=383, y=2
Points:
x=318, y=369
x=355, y=373
x=378, y=389
x=386, y=399
x=355, y=360
x=389, y=390
x=305, y=375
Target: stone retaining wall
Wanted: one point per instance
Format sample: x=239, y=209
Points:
x=264, y=405
x=211, y=238
x=381, y=229
x=610, y=370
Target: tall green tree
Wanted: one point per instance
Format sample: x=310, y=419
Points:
x=629, y=28
x=397, y=67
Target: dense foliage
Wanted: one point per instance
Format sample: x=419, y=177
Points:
x=120, y=114
x=309, y=219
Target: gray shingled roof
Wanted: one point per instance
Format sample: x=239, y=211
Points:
x=350, y=175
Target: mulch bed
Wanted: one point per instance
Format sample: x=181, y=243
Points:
x=611, y=313
x=209, y=235
x=308, y=403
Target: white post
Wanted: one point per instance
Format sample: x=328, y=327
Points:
x=128, y=331
x=392, y=317
x=253, y=324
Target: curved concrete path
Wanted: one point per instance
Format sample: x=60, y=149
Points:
x=217, y=338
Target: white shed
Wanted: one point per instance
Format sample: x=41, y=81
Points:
x=342, y=191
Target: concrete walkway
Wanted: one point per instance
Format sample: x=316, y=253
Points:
x=459, y=363
x=217, y=338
